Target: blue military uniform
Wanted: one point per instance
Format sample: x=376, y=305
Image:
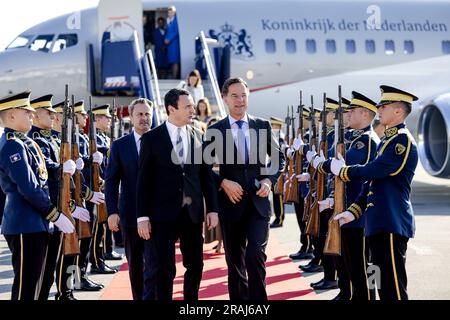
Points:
x=28, y=209
x=278, y=205
x=83, y=281
x=102, y=234
x=305, y=251
x=385, y=198
x=329, y=267
x=360, y=149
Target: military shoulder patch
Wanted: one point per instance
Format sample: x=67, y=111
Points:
x=399, y=148
x=359, y=145
x=15, y=157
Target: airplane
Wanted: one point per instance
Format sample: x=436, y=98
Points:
x=278, y=48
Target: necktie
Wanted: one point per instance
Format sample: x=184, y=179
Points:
x=242, y=142
x=138, y=145
x=179, y=147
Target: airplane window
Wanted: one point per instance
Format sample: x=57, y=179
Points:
x=271, y=46
x=19, y=42
x=331, y=46
x=291, y=46
x=409, y=47
x=65, y=41
x=350, y=46
x=446, y=47
x=311, y=46
x=389, y=47
x=42, y=43
x=370, y=46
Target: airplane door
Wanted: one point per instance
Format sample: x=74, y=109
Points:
x=120, y=18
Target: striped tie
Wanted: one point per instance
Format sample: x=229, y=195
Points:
x=179, y=147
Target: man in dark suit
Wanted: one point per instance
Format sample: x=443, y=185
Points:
x=172, y=180
x=122, y=171
x=245, y=182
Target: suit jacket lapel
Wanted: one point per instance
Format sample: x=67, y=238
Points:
x=132, y=142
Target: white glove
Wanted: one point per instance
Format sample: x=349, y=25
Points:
x=69, y=167
x=81, y=214
x=80, y=164
x=97, y=157
x=318, y=160
x=98, y=197
x=304, y=177
x=311, y=154
x=290, y=152
x=328, y=203
x=298, y=143
x=344, y=217
x=337, y=164
x=64, y=224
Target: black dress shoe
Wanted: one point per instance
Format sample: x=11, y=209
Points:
x=327, y=285
x=341, y=297
x=102, y=269
x=66, y=297
x=276, y=224
x=301, y=255
x=314, y=284
x=312, y=268
x=113, y=256
x=87, y=284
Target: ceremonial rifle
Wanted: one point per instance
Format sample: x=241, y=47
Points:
x=70, y=240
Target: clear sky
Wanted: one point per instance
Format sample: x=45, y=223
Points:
x=17, y=16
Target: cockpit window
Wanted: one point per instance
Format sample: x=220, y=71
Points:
x=65, y=41
x=19, y=42
x=42, y=43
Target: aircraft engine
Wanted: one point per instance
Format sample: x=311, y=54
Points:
x=434, y=136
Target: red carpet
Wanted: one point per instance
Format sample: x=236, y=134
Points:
x=284, y=281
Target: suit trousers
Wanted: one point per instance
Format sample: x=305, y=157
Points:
x=134, y=251
x=28, y=261
x=159, y=252
x=245, y=242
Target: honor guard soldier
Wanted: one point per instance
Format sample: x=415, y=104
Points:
x=278, y=205
x=352, y=265
x=41, y=133
x=102, y=235
x=385, y=197
x=306, y=246
x=84, y=283
x=329, y=281
x=28, y=210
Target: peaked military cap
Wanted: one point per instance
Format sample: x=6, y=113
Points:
x=43, y=102
x=391, y=94
x=58, y=107
x=332, y=104
x=79, y=107
x=274, y=120
x=19, y=101
x=361, y=101
x=102, y=110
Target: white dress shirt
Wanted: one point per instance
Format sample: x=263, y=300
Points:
x=137, y=139
x=173, y=133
